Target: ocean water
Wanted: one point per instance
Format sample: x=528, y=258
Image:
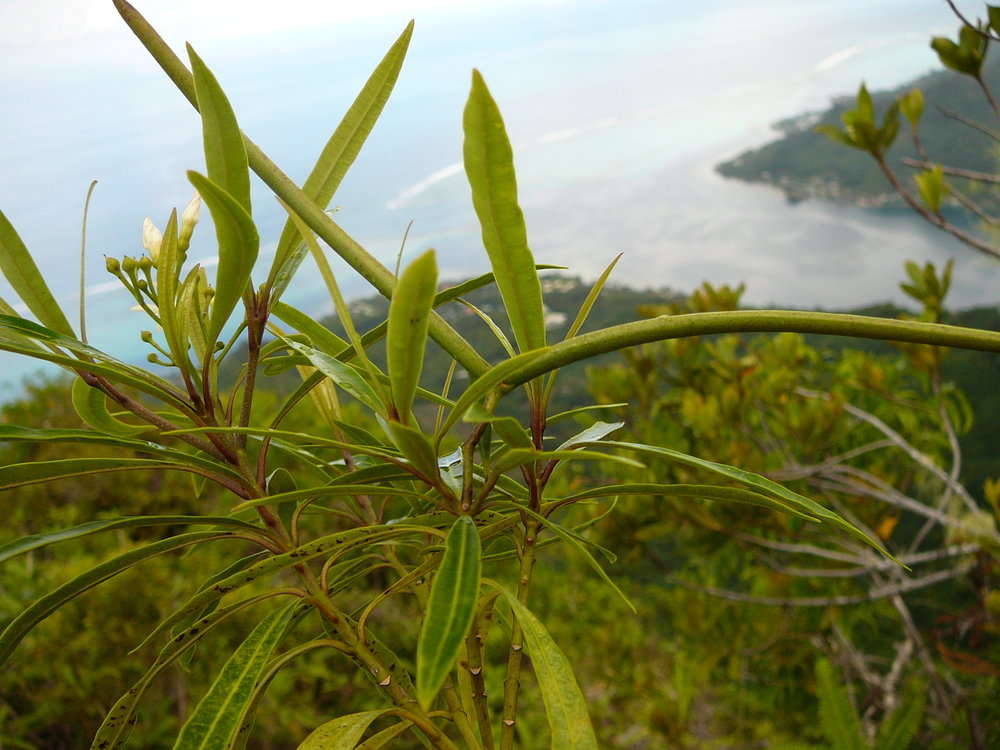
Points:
x=617, y=112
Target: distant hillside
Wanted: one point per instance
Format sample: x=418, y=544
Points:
x=805, y=164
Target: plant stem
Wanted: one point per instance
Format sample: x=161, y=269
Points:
x=666, y=327
x=512, y=682
x=475, y=642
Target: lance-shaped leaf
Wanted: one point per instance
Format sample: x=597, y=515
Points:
x=565, y=707
x=238, y=245
x=337, y=157
x=489, y=165
x=794, y=499
x=520, y=456
x=346, y=376
x=20, y=270
x=406, y=339
x=219, y=715
x=697, y=491
x=92, y=407
x=37, y=541
x=450, y=608
x=342, y=733
x=341, y=542
x=168, y=267
x=225, y=154
x=413, y=444
x=322, y=337
x=596, y=432
x=32, y=434
x=386, y=736
x=581, y=317
x=120, y=719
x=36, y=472
x=46, y=605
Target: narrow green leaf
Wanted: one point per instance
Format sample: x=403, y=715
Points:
x=333, y=490
x=168, y=268
x=581, y=317
x=36, y=472
x=238, y=245
x=20, y=626
x=484, y=384
x=450, y=608
x=92, y=407
x=520, y=456
x=565, y=706
x=37, y=541
x=793, y=499
x=118, y=722
x=337, y=157
x=341, y=542
x=322, y=338
x=225, y=154
x=406, y=339
x=698, y=491
x=19, y=269
x=489, y=165
x=450, y=294
x=912, y=106
x=581, y=410
x=498, y=334
x=382, y=739
x=342, y=733
x=346, y=376
x=509, y=429
x=31, y=434
x=219, y=715
x=415, y=446
x=596, y=432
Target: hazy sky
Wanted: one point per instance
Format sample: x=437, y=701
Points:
x=617, y=110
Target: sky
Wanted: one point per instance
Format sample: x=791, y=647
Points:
x=617, y=111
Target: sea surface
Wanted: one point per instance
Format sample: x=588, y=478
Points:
x=617, y=112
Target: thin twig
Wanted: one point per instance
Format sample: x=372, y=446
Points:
x=879, y=592
x=965, y=174
x=935, y=219
x=970, y=123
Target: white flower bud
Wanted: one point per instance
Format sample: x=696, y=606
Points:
x=152, y=238
x=189, y=218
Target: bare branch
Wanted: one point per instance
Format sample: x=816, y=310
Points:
x=964, y=20
x=879, y=592
x=935, y=219
x=965, y=174
x=970, y=123
x=791, y=473
x=921, y=458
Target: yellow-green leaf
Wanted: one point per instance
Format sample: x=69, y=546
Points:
x=238, y=246
x=219, y=715
x=20, y=270
x=489, y=165
x=406, y=340
x=342, y=733
x=565, y=707
x=337, y=157
x=225, y=154
x=92, y=407
x=40, y=609
x=450, y=608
